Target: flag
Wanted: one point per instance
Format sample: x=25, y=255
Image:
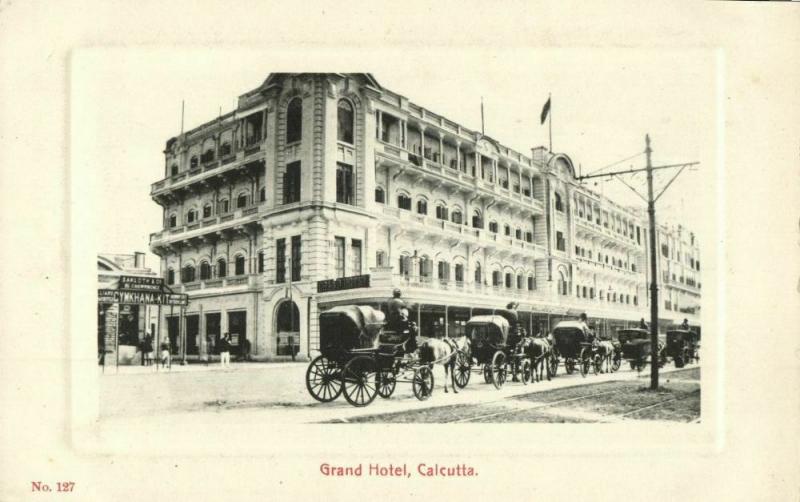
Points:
x=545, y=110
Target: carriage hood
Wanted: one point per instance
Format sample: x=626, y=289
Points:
x=350, y=326
x=497, y=326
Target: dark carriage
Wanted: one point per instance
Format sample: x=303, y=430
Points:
x=494, y=349
x=361, y=359
x=681, y=347
x=636, y=344
x=573, y=343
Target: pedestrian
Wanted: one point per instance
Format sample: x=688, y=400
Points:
x=166, y=358
x=685, y=324
x=225, y=351
x=642, y=324
x=147, y=349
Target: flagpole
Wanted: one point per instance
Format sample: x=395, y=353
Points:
x=550, y=122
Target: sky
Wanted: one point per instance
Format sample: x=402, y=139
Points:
x=126, y=102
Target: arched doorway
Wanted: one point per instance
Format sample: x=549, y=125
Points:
x=287, y=329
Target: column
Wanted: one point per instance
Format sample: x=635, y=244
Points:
x=380, y=125
x=441, y=161
x=458, y=155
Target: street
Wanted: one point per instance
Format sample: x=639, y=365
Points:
x=276, y=393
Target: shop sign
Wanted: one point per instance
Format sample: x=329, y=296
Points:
x=141, y=283
x=342, y=283
x=134, y=297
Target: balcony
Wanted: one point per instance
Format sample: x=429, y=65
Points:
x=413, y=222
x=592, y=230
x=393, y=156
x=206, y=226
x=247, y=159
x=250, y=281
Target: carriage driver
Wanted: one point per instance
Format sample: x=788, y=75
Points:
x=585, y=326
x=398, y=321
x=515, y=334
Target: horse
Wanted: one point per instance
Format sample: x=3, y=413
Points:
x=605, y=349
x=539, y=350
x=443, y=351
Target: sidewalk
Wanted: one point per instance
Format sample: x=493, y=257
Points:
x=195, y=367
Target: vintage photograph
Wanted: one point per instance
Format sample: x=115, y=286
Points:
x=329, y=248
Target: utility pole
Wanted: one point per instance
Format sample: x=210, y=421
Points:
x=651, y=213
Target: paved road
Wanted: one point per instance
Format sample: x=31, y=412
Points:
x=276, y=393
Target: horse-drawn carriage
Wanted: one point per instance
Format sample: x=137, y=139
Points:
x=495, y=357
x=636, y=348
x=581, y=351
x=361, y=360
x=681, y=346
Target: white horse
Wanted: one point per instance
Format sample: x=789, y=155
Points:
x=605, y=350
x=443, y=351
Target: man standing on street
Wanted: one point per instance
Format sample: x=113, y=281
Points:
x=225, y=351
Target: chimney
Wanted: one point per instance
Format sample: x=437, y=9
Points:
x=138, y=260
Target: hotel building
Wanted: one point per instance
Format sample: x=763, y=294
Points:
x=328, y=189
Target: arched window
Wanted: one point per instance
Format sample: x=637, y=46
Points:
x=405, y=265
x=425, y=267
x=207, y=211
x=563, y=287
x=477, y=221
x=238, y=265
x=221, y=268
x=346, y=116
x=225, y=149
x=518, y=233
x=507, y=229
x=193, y=162
x=493, y=226
x=459, y=272
x=531, y=283
x=380, y=259
x=288, y=317
x=584, y=291
x=170, y=276
x=496, y=278
x=205, y=271
x=173, y=220
x=509, y=280
x=422, y=206
x=559, y=203
x=224, y=206
x=404, y=202
x=241, y=201
x=262, y=194
x=208, y=155
x=261, y=262
x=444, y=270
x=191, y=216
x=294, y=120
x=441, y=212
x=520, y=282
x=478, y=274
x=528, y=236
x=188, y=273
x=380, y=195
x=173, y=170
x=456, y=217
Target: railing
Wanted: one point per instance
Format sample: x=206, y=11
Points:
x=213, y=283
x=249, y=210
x=235, y=281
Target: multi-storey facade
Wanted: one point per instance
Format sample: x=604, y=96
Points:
x=678, y=273
x=327, y=189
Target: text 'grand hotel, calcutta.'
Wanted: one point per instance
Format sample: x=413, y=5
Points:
x=327, y=189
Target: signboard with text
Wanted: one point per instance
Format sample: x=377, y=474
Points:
x=342, y=283
x=134, y=297
x=133, y=282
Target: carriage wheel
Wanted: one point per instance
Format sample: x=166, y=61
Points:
x=462, y=369
x=359, y=381
x=323, y=379
x=552, y=367
x=527, y=373
x=584, y=361
x=616, y=362
x=387, y=381
x=487, y=373
x=569, y=365
x=498, y=369
x=422, y=383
